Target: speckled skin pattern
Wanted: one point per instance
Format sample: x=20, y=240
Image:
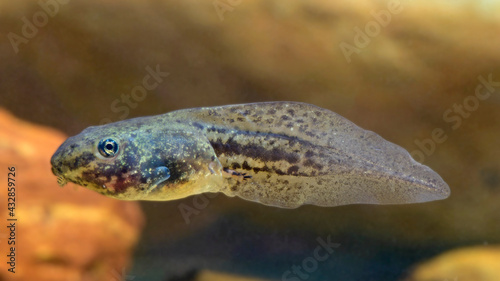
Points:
x=282, y=154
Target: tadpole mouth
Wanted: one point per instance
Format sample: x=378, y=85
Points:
x=61, y=181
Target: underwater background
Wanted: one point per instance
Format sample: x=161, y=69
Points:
x=422, y=74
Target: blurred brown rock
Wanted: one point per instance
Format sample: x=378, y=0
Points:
x=66, y=234
x=480, y=263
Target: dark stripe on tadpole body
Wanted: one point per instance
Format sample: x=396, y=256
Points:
x=256, y=151
x=253, y=134
x=198, y=125
x=252, y=150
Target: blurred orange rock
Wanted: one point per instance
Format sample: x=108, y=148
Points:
x=481, y=263
x=65, y=233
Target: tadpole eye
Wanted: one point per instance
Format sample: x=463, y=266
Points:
x=108, y=147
